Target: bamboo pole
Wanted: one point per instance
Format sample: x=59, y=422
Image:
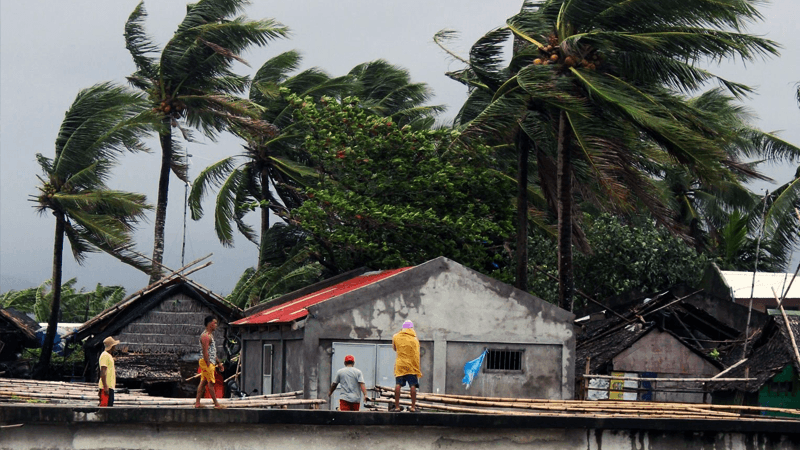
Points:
x=428, y=406
x=582, y=407
x=611, y=403
x=695, y=380
x=788, y=327
x=728, y=369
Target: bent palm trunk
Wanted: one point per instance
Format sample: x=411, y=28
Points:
x=161, y=202
x=565, y=280
x=55, y=306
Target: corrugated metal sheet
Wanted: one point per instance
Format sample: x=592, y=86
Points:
x=298, y=308
x=742, y=282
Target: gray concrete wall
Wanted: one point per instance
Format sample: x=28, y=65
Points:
x=220, y=436
x=540, y=376
x=448, y=303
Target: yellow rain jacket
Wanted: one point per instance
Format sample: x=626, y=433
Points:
x=406, y=345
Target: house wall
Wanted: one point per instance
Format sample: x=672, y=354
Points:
x=540, y=376
x=173, y=325
x=660, y=353
x=287, y=372
x=451, y=306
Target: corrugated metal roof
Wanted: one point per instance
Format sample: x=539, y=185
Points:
x=742, y=282
x=298, y=308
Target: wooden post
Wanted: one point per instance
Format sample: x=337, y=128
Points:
x=585, y=384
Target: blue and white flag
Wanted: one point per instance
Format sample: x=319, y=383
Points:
x=471, y=369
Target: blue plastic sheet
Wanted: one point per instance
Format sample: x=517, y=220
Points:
x=471, y=369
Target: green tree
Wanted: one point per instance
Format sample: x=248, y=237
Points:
x=191, y=82
x=267, y=175
x=391, y=196
x=705, y=209
x=77, y=305
x=103, y=121
x=602, y=96
x=387, y=90
x=633, y=256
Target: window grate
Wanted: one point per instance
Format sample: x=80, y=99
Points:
x=509, y=360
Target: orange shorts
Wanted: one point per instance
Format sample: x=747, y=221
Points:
x=344, y=405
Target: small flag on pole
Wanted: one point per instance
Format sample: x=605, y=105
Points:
x=471, y=369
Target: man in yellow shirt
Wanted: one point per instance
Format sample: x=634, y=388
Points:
x=108, y=375
x=406, y=366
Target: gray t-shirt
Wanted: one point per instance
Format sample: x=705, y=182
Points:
x=348, y=379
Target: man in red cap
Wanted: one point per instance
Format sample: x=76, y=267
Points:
x=353, y=385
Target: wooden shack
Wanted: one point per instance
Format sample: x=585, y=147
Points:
x=158, y=328
x=662, y=336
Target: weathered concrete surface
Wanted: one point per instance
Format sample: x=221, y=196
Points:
x=461, y=312
x=48, y=427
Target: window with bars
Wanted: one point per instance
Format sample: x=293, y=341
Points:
x=505, y=360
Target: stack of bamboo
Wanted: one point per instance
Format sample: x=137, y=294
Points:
x=573, y=408
x=86, y=395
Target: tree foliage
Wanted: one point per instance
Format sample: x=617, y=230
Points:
x=636, y=256
x=392, y=196
x=77, y=305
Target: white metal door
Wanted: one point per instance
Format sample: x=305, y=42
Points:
x=385, y=370
x=266, y=359
x=364, y=355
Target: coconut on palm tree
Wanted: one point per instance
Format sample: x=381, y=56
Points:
x=192, y=83
x=602, y=95
x=102, y=122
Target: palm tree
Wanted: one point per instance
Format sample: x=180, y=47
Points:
x=274, y=167
x=602, y=96
x=103, y=121
x=271, y=168
x=715, y=214
x=387, y=90
x=192, y=83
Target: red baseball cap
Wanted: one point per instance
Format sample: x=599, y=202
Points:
x=349, y=358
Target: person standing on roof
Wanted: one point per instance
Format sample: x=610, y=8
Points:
x=406, y=366
x=108, y=374
x=208, y=362
x=353, y=385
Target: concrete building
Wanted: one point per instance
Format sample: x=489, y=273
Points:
x=298, y=341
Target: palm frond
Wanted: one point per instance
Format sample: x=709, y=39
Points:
x=226, y=205
x=213, y=175
x=139, y=44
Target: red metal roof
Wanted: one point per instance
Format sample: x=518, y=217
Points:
x=298, y=308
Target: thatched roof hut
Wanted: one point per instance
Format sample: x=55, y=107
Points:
x=159, y=328
x=17, y=331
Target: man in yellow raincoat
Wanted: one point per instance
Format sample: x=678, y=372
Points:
x=406, y=366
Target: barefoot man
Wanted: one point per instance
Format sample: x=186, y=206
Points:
x=208, y=363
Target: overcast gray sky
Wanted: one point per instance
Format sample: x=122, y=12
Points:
x=50, y=49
